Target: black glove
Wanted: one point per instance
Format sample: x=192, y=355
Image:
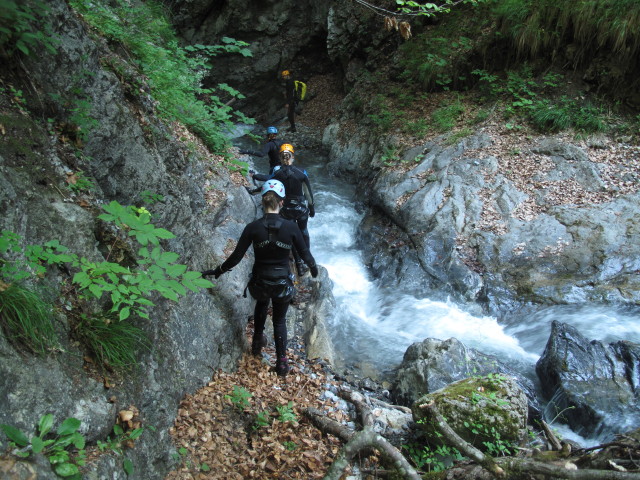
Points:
x=312, y=211
x=215, y=272
x=314, y=271
x=252, y=172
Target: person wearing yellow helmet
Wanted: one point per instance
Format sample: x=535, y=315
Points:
x=298, y=204
x=291, y=98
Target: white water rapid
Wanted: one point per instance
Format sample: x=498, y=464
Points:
x=374, y=326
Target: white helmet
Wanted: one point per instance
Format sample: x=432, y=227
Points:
x=273, y=186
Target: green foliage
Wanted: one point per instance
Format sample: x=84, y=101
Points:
x=496, y=446
x=455, y=137
x=418, y=127
x=64, y=448
x=390, y=156
x=21, y=26
x=114, y=343
x=151, y=198
x=81, y=183
x=542, y=25
x=27, y=319
x=430, y=9
x=432, y=458
x=239, y=397
x=431, y=62
x=15, y=268
x=382, y=117
x=119, y=441
x=263, y=419
x=445, y=117
x=157, y=270
x=286, y=413
x=289, y=445
x=174, y=73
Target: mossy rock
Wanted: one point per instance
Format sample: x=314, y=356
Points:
x=486, y=410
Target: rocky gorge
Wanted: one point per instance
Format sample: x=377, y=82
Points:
x=500, y=221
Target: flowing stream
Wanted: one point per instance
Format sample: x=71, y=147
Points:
x=373, y=326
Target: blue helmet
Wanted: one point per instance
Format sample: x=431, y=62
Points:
x=272, y=130
x=275, y=186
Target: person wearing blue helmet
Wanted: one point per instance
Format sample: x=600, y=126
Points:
x=272, y=237
x=270, y=149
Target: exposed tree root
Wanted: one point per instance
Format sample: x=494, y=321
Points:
x=366, y=439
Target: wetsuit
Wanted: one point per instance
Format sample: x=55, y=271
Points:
x=299, y=200
x=272, y=149
x=272, y=238
x=292, y=101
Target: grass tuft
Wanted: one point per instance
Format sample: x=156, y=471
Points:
x=113, y=343
x=27, y=319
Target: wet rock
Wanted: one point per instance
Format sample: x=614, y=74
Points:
x=482, y=410
x=591, y=386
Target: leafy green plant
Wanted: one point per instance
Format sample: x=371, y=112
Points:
x=174, y=74
x=119, y=441
x=445, y=117
x=21, y=27
x=263, y=419
x=64, y=449
x=429, y=9
x=151, y=198
x=496, y=446
x=239, y=397
x=432, y=459
x=417, y=128
x=289, y=445
x=80, y=183
x=114, y=343
x=286, y=413
x=157, y=270
x=390, y=156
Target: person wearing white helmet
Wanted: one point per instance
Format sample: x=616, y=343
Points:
x=272, y=238
x=299, y=204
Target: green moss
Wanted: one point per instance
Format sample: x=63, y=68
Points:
x=21, y=138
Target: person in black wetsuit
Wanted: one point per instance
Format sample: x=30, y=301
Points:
x=291, y=99
x=272, y=238
x=270, y=149
x=299, y=204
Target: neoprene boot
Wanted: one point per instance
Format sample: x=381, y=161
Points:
x=282, y=366
x=258, y=344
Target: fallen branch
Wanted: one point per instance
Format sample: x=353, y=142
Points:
x=555, y=443
x=454, y=439
x=357, y=442
x=567, y=470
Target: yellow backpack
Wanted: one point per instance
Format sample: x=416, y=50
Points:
x=301, y=89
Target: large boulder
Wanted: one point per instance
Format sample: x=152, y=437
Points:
x=591, y=386
x=489, y=412
x=432, y=364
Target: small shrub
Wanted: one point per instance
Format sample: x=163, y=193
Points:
x=286, y=413
x=239, y=397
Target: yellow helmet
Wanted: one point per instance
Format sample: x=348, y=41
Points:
x=285, y=73
x=286, y=147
